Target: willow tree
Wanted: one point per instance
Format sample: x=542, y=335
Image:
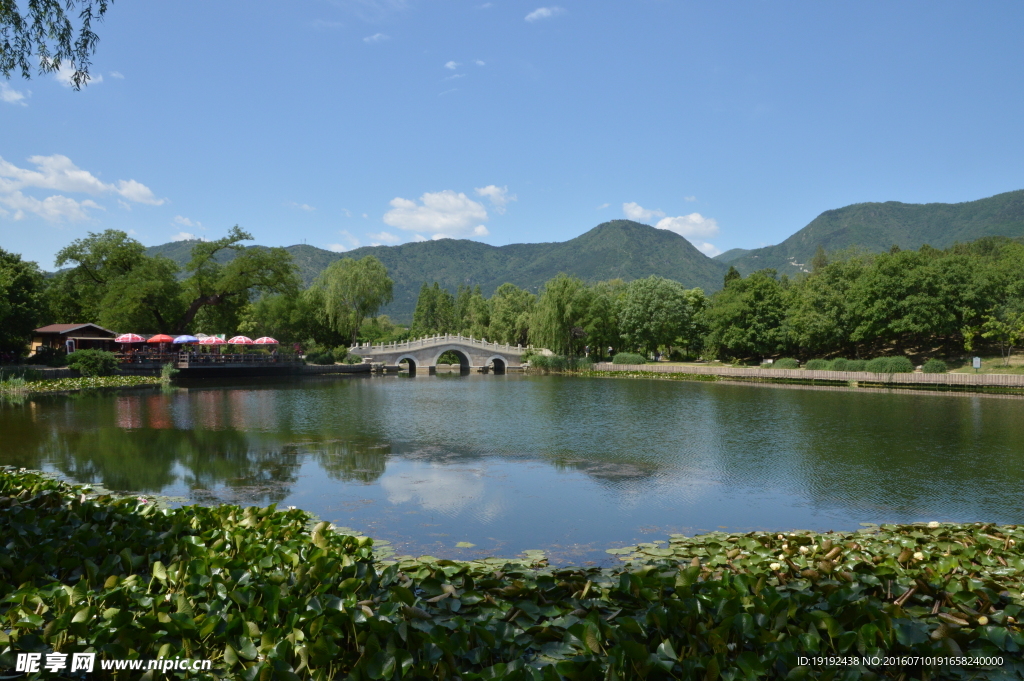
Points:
x=560, y=315
x=43, y=33
x=349, y=291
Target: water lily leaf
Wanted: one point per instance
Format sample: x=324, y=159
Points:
x=464, y=545
x=381, y=665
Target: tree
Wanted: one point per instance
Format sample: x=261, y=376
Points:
x=1005, y=326
x=732, y=275
x=436, y=310
x=821, y=317
x=252, y=270
x=21, y=302
x=747, y=317
x=511, y=307
x=349, y=291
x=45, y=33
x=560, y=315
x=114, y=282
x=655, y=312
x=819, y=260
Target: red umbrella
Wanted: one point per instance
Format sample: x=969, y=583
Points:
x=240, y=340
x=212, y=340
x=265, y=340
x=129, y=338
x=160, y=338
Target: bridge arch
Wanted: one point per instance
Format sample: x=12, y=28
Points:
x=412, y=363
x=464, y=362
x=499, y=363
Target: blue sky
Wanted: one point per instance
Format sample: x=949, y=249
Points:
x=351, y=122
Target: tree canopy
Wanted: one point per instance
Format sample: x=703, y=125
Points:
x=349, y=291
x=45, y=33
x=21, y=301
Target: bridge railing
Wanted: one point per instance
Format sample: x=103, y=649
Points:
x=437, y=339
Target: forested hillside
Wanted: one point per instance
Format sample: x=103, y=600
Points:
x=876, y=227
x=620, y=249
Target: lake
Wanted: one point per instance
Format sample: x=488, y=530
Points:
x=568, y=465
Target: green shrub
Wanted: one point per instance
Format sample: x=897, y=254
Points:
x=353, y=359
x=890, y=365
x=579, y=363
x=628, y=358
x=818, y=365
x=340, y=354
x=50, y=357
x=856, y=365
x=320, y=358
x=934, y=366
x=167, y=372
x=93, y=362
x=839, y=364
x=786, y=363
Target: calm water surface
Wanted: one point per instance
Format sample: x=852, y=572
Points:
x=569, y=465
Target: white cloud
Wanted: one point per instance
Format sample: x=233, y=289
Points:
x=58, y=173
x=707, y=249
x=66, y=71
x=480, y=230
x=184, y=236
x=185, y=222
x=376, y=38
x=116, y=74
x=603, y=206
x=137, y=192
x=385, y=237
x=11, y=96
x=692, y=225
x=545, y=13
x=695, y=228
x=456, y=75
x=452, y=65
x=353, y=242
x=445, y=213
x=419, y=237
x=498, y=196
x=689, y=198
x=480, y=62
x=447, y=92
x=300, y=206
x=634, y=211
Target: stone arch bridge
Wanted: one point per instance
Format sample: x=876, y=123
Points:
x=423, y=353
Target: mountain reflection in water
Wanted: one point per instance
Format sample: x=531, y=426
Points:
x=514, y=462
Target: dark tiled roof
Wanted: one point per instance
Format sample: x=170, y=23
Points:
x=67, y=328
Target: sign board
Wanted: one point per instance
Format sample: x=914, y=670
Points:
x=977, y=362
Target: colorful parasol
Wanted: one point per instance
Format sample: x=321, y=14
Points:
x=160, y=338
x=240, y=340
x=265, y=340
x=180, y=340
x=129, y=338
x=213, y=340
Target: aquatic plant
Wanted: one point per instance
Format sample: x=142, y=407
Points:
x=263, y=594
x=167, y=372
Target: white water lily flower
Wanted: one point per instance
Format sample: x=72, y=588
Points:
x=933, y=524
x=918, y=556
x=782, y=556
x=774, y=566
x=804, y=549
x=785, y=546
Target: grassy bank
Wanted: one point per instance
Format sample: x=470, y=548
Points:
x=264, y=595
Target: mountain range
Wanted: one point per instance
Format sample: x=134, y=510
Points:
x=878, y=227
x=631, y=250
x=620, y=249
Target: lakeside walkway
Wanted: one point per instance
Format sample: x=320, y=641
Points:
x=852, y=378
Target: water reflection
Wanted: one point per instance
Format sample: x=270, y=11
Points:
x=515, y=462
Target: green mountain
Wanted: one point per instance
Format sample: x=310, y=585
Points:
x=618, y=249
x=731, y=254
x=877, y=227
